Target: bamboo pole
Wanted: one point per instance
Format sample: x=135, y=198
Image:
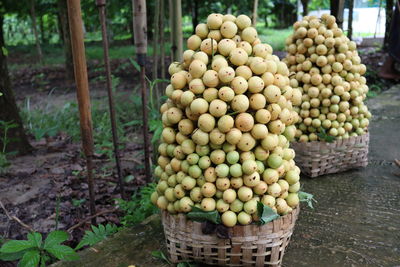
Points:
x=178, y=35
x=35, y=32
x=82, y=91
x=255, y=10
x=101, y=4
x=350, y=20
x=140, y=32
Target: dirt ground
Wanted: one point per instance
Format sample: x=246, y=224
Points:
x=54, y=174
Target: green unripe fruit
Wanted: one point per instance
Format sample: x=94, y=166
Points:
x=187, y=147
x=158, y=170
x=274, y=190
x=227, y=147
x=260, y=166
x=194, y=171
x=244, y=218
x=274, y=161
x=170, y=208
x=204, y=162
x=200, y=181
x=162, y=203
x=206, y=122
x=222, y=170
x=235, y=170
x=232, y=157
x=288, y=154
x=168, y=135
x=217, y=156
x=292, y=177
x=223, y=183
x=208, y=204
x=179, y=177
x=185, y=204
x=169, y=194
x=208, y=189
x=284, y=186
x=222, y=206
x=229, y=218
x=229, y=196
x=250, y=206
x=293, y=200
x=188, y=183
x=192, y=158
x=268, y=200
x=245, y=193
x=236, y=205
x=154, y=198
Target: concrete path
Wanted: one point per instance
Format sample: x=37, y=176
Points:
x=356, y=221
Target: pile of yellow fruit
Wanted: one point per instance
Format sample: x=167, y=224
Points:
x=227, y=123
x=326, y=67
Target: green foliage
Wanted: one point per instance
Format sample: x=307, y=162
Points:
x=307, y=197
x=139, y=207
x=265, y=213
x=97, y=234
x=160, y=255
x=200, y=215
x=34, y=251
x=324, y=136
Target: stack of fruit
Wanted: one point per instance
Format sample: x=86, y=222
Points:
x=327, y=69
x=227, y=123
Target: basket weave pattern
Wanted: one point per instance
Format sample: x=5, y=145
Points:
x=250, y=245
x=319, y=158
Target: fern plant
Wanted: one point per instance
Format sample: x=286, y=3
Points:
x=139, y=207
x=97, y=234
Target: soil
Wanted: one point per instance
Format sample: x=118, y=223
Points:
x=54, y=174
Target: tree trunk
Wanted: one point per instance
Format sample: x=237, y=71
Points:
x=162, y=39
x=337, y=10
x=69, y=65
x=42, y=32
x=304, y=3
x=195, y=14
x=35, y=32
x=8, y=108
x=388, y=23
x=350, y=20
x=176, y=17
x=156, y=41
x=255, y=9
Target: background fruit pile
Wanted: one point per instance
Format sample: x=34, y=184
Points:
x=325, y=66
x=227, y=123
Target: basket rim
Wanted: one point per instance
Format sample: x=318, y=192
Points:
x=292, y=215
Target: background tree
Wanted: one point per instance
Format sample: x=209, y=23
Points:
x=337, y=10
x=8, y=108
x=389, y=15
x=350, y=20
x=304, y=3
x=66, y=38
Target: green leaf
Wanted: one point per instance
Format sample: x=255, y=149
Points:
x=4, y=50
x=160, y=255
x=135, y=64
x=30, y=259
x=200, y=215
x=307, y=197
x=16, y=246
x=160, y=81
x=55, y=238
x=12, y=256
x=324, y=136
x=97, y=234
x=62, y=252
x=265, y=213
x=36, y=238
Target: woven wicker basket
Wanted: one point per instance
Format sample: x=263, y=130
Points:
x=318, y=158
x=249, y=245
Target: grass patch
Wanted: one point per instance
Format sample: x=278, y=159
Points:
x=274, y=37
